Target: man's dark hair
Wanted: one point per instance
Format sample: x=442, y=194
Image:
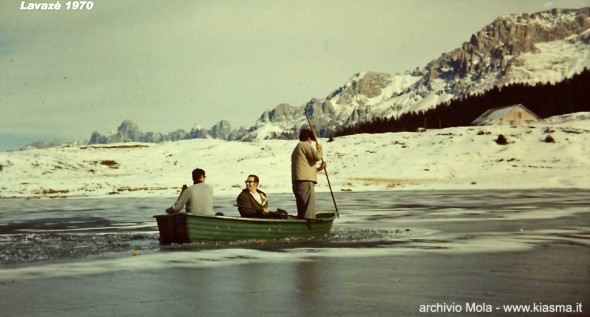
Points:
x=197, y=173
x=255, y=178
x=305, y=134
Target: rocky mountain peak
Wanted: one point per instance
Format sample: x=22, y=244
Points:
x=128, y=130
x=281, y=112
x=221, y=130
x=494, y=47
x=365, y=84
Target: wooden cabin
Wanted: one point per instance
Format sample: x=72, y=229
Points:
x=511, y=115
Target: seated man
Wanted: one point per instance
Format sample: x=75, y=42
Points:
x=252, y=202
x=198, y=198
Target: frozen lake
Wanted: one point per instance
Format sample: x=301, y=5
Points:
x=388, y=252
x=457, y=221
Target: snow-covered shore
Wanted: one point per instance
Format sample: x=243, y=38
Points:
x=453, y=158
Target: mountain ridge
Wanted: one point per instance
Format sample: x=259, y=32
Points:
x=494, y=56
x=518, y=48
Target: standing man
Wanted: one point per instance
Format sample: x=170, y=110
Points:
x=198, y=198
x=304, y=173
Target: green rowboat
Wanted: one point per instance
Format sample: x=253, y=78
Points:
x=187, y=228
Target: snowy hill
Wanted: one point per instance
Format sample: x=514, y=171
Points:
x=543, y=47
x=453, y=158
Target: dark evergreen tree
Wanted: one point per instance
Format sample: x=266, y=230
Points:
x=545, y=100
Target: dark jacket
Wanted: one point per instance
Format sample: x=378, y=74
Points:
x=248, y=206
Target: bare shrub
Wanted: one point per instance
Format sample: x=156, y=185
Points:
x=549, y=139
x=109, y=163
x=501, y=140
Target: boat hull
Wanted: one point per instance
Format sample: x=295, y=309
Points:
x=187, y=228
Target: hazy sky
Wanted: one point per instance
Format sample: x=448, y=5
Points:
x=171, y=64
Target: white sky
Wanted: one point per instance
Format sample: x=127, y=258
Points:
x=169, y=65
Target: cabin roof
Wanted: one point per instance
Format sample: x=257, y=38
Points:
x=499, y=113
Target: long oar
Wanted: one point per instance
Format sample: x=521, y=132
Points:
x=325, y=170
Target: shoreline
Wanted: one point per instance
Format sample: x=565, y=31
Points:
x=318, y=190
x=343, y=192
